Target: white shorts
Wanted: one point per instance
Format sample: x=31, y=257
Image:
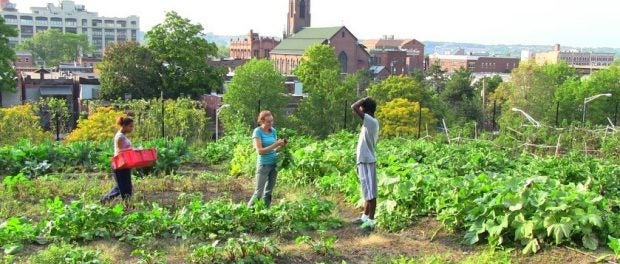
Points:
x=367, y=173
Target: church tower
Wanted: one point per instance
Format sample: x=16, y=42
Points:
x=298, y=16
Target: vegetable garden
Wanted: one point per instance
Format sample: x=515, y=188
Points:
x=467, y=201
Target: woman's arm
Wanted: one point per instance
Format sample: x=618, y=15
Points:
x=258, y=145
x=118, y=145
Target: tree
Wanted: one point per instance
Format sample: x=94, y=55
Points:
x=129, y=68
x=182, y=51
x=322, y=112
x=54, y=47
x=255, y=80
x=399, y=87
x=490, y=83
x=437, y=77
x=400, y=116
x=7, y=56
x=223, y=51
x=463, y=104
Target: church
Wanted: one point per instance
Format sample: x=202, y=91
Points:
x=300, y=36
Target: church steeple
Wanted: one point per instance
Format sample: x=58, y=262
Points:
x=298, y=16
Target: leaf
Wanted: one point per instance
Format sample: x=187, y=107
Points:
x=590, y=242
x=559, y=231
x=471, y=238
x=595, y=220
x=614, y=244
x=11, y=249
x=531, y=247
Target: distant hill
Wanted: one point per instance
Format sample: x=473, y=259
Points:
x=221, y=40
x=503, y=50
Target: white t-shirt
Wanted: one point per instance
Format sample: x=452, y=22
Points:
x=367, y=142
x=124, y=143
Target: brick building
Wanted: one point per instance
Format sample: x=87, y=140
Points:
x=412, y=59
x=298, y=17
x=577, y=59
x=476, y=64
x=351, y=55
x=252, y=47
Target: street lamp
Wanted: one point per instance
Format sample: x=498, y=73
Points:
x=587, y=100
x=529, y=118
x=217, y=118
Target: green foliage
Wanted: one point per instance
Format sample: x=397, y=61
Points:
x=496, y=196
x=14, y=233
x=236, y=250
x=100, y=126
x=7, y=56
x=400, y=117
x=464, y=104
x=38, y=159
x=399, y=87
x=129, y=68
x=181, y=50
x=322, y=112
x=256, y=80
x=223, y=51
x=21, y=122
x=53, y=46
x=182, y=117
x=149, y=256
x=67, y=253
x=323, y=246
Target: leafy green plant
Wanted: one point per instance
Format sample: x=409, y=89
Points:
x=323, y=246
x=14, y=232
x=236, y=250
x=149, y=256
x=67, y=253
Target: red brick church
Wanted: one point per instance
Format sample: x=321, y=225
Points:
x=300, y=36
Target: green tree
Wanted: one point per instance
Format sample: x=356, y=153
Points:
x=399, y=117
x=490, y=83
x=323, y=111
x=534, y=87
x=572, y=93
x=223, y=51
x=437, y=77
x=463, y=104
x=182, y=51
x=399, y=87
x=255, y=80
x=7, y=56
x=129, y=68
x=54, y=47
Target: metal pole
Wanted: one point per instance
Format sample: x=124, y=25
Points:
x=583, y=118
x=494, y=107
x=57, y=127
x=258, y=112
x=419, y=120
x=616, y=115
x=557, y=114
x=217, y=127
x=345, y=114
x=163, y=115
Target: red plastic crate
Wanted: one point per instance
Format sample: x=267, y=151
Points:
x=134, y=159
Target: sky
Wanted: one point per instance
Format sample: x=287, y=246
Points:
x=593, y=23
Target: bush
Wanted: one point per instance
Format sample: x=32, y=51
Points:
x=66, y=253
x=21, y=122
x=399, y=117
x=99, y=126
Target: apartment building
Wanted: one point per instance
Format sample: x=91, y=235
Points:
x=70, y=17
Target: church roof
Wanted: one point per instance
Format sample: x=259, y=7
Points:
x=302, y=40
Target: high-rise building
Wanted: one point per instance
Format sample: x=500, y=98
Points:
x=71, y=18
x=298, y=16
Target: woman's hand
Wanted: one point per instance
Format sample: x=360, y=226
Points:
x=280, y=143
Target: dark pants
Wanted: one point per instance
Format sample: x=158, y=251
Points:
x=123, y=186
x=265, y=182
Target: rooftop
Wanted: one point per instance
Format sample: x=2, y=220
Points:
x=300, y=42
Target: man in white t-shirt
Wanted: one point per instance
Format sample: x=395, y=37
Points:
x=366, y=159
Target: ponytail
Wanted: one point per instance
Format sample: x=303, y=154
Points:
x=124, y=121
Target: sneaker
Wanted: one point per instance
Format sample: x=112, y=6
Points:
x=367, y=226
x=358, y=221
